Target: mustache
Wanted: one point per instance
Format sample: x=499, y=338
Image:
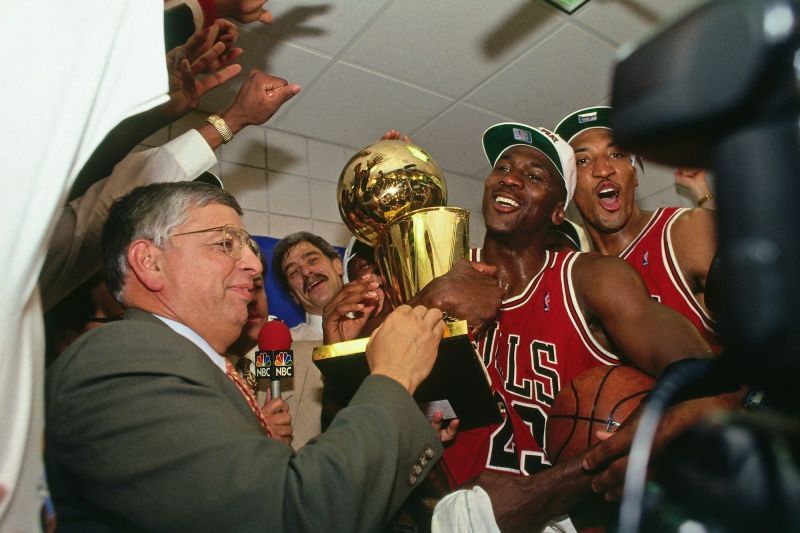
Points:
x=312, y=279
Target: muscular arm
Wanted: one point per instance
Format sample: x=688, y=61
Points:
x=694, y=238
x=649, y=335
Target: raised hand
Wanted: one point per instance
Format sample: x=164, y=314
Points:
x=694, y=180
x=260, y=97
x=209, y=51
x=394, y=135
x=244, y=10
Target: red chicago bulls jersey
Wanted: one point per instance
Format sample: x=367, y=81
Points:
x=539, y=342
x=653, y=257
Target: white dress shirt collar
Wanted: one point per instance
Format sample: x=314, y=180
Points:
x=200, y=342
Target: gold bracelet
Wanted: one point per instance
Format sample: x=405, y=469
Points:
x=221, y=126
x=704, y=199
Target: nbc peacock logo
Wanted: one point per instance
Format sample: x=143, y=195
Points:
x=283, y=364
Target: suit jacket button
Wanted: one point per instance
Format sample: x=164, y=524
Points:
x=423, y=460
x=429, y=453
x=412, y=479
x=417, y=469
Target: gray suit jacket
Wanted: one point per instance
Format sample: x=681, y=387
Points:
x=145, y=433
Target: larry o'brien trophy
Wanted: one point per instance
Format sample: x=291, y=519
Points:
x=393, y=197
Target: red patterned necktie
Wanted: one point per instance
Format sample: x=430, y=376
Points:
x=248, y=395
x=244, y=368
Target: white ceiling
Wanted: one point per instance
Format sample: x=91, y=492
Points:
x=442, y=71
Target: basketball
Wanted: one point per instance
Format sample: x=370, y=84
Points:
x=598, y=399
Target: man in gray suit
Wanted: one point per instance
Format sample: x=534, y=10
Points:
x=146, y=432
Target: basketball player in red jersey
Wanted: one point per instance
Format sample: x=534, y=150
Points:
x=671, y=248
x=561, y=313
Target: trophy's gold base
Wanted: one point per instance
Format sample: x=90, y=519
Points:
x=458, y=384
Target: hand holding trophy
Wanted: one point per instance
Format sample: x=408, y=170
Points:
x=392, y=196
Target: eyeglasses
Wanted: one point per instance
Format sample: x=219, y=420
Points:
x=233, y=240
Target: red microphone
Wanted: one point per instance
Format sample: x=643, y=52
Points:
x=274, y=356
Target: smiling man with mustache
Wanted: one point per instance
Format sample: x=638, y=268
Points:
x=310, y=270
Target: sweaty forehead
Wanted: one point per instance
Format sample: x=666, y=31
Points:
x=528, y=155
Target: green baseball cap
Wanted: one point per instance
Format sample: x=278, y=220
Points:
x=500, y=137
x=584, y=119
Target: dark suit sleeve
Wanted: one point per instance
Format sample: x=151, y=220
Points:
x=155, y=439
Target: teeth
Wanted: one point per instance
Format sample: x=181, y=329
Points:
x=608, y=192
x=504, y=200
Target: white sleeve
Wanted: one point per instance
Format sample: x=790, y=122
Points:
x=74, y=252
x=104, y=62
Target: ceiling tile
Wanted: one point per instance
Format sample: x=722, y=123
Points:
x=450, y=47
x=454, y=138
x=623, y=20
x=569, y=70
x=325, y=25
x=353, y=107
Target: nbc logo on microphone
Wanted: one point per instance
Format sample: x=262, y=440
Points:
x=263, y=364
x=283, y=364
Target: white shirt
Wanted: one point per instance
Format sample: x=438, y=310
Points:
x=310, y=330
x=188, y=333
x=92, y=64
x=74, y=252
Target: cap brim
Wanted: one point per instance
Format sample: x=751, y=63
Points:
x=584, y=119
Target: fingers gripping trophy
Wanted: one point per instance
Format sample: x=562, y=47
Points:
x=393, y=197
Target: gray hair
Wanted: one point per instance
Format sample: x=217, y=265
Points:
x=151, y=212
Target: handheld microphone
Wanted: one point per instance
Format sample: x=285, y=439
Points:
x=274, y=358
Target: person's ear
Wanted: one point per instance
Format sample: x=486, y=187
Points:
x=557, y=216
x=146, y=262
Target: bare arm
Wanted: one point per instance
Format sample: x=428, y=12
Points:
x=649, y=334
x=260, y=96
x=694, y=238
x=660, y=337
x=528, y=503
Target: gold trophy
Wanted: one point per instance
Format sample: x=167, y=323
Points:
x=393, y=197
